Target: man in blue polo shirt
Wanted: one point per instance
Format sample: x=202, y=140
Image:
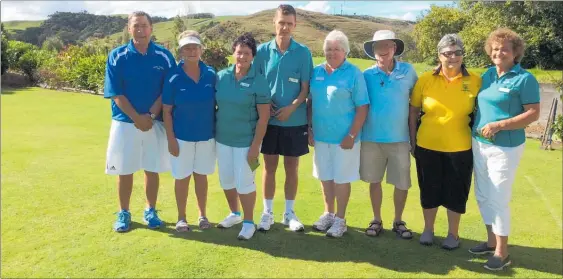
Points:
x=385, y=136
x=135, y=74
x=287, y=66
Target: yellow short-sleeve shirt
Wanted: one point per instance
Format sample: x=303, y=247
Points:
x=447, y=106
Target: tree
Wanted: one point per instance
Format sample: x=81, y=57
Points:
x=438, y=22
x=53, y=44
x=177, y=29
x=5, y=64
x=125, y=36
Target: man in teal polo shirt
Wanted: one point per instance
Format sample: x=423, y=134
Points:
x=287, y=66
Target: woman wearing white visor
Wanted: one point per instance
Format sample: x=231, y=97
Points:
x=189, y=117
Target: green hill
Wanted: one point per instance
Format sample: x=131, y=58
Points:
x=10, y=26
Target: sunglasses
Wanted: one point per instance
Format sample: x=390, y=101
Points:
x=458, y=52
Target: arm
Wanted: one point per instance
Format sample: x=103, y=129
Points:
x=156, y=108
x=284, y=113
x=261, y=125
x=414, y=112
x=173, y=147
x=142, y=122
x=357, y=124
x=310, y=121
x=531, y=113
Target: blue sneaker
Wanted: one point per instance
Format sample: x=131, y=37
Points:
x=152, y=219
x=123, y=222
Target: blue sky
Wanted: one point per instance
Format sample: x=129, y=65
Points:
x=35, y=10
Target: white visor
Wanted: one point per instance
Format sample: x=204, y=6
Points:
x=188, y=40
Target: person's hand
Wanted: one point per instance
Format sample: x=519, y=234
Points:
x=413, y=147
x=311, y=137
x=253, y=153
x=347, y=142
x=489, y=131
x=273, y=110
x=173, y=147
x=143, y=122
x=284, y=113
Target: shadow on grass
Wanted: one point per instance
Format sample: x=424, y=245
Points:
x=12, y=90
x=386, y=251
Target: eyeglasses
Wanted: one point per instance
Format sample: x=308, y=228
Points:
x=458, y=52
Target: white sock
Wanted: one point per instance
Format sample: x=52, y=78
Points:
x=268, y=206
x=289, y=206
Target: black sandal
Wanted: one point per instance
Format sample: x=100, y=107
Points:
x=375, y=228
x=401, y=232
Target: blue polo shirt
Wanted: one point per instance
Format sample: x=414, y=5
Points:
x=193, y=113
x=388, y=115
x=139, y=77
x=502, y=98
x=237, y=115
x=335, y=98
x=284, y=73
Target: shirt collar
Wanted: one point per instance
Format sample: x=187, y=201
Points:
x=345, y=65
x=202, y=67
x=131, y=47
x=396, y=68
x=438, y=71
x=274, y=46
x=251, y=72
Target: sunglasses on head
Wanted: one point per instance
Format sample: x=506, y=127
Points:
x=458, y=52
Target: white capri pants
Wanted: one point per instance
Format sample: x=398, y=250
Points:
x=198, y=157
x=234, y=171
x=331, y=162
x=495, y=169
x=130, y=149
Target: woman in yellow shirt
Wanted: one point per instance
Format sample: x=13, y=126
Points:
x=441, y=145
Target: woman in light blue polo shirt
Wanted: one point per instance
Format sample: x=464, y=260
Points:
x=243, y=111
x=188, y=98
x=507, y=103
x=339, y=102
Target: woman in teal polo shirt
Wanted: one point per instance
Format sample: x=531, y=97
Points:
x=507, y=103
x=243, y=111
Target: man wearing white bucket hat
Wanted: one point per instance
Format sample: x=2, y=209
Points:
x=385, y=135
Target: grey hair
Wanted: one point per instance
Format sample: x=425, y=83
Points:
x=340, y=37
x=139, y=13
x=450, y=40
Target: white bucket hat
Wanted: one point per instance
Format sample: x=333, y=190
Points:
x=380, y=36
x=188, y=40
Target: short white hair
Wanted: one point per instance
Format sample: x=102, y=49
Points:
x=340, y=37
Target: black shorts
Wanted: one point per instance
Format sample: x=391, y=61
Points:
x=444, y=178
x=286, y=141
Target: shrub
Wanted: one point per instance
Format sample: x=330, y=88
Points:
x=215, y=54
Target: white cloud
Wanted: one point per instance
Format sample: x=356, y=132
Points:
x=36, y=10
x=316, y=6
x=409, y=16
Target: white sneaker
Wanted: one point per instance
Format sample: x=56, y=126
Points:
x=230, y=221
x=325, y=221
x=246, y=232
x=291, y=220
x=338, y=228
x=266, y=221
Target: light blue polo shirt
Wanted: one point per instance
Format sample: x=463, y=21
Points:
x=284, y=73
x=387, y=120
x=193, y=112
x=503, y=98
x=139, y=77
x=237, y=115
x=335, y=98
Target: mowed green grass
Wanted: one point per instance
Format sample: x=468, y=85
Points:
x=57, y=210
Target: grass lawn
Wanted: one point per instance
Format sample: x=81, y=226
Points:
x=57, y=210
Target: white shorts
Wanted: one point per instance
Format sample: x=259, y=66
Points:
x=130, y=149
x=331, y=162
x=234, y=171
x=198, y=157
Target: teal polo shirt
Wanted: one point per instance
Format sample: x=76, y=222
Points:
x=237, y=115
x=503, y=98
x=285, y=73
x=335, y=99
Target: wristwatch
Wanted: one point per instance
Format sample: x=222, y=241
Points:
x=351, y=136
x=152, y=115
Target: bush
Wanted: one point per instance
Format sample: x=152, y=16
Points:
x=558, y=127
x=215, y=55
x=5, y=63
